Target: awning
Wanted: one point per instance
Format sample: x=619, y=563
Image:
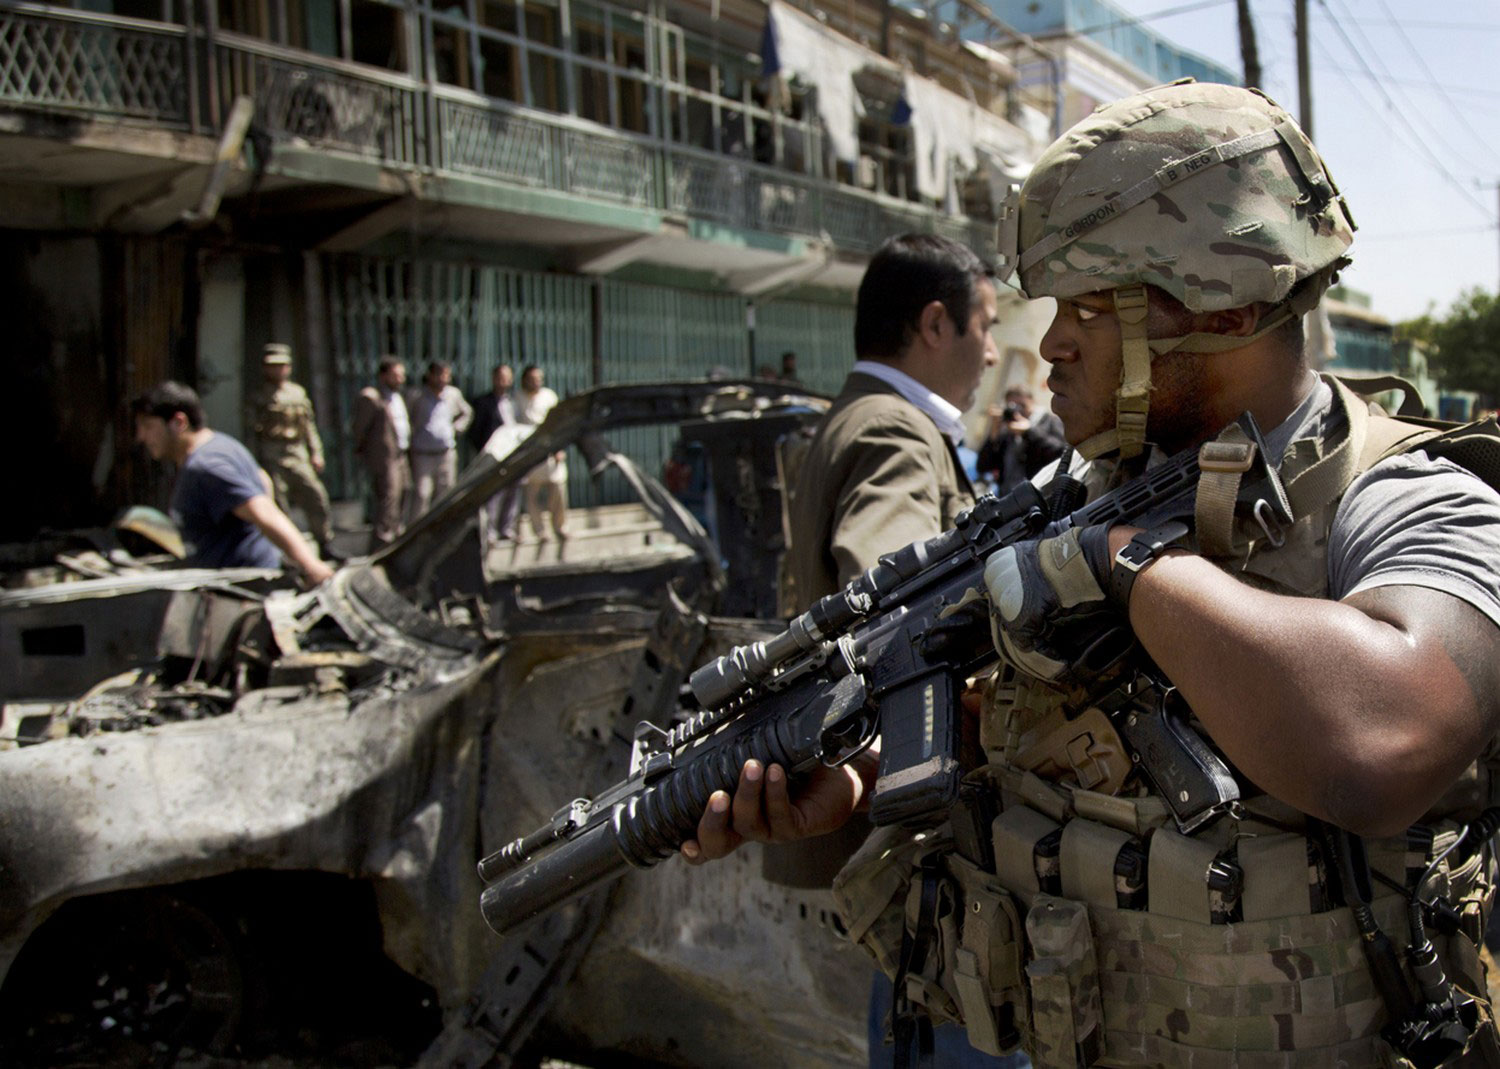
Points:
x=798, y=46
x=952, y=135
x=998, y=62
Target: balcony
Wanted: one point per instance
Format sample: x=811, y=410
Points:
x=425, y=136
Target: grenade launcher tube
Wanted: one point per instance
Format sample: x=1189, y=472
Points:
x=649, y=825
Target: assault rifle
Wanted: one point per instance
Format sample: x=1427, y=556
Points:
x=886, y=656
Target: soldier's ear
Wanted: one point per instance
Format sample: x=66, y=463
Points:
x=1233, y=322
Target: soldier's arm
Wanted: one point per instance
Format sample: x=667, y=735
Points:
x=1361, y=711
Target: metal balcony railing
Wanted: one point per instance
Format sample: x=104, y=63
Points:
x=117, y=68
x=100, y=65
x=328, y=104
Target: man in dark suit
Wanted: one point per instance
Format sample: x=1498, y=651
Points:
x=882, y=470
x=492, y=411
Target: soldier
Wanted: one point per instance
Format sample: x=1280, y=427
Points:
x=288, y=446
x=1344, y=665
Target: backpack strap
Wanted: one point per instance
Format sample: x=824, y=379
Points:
x=1367, y=385
x=1473, y=446
x=1369, y=438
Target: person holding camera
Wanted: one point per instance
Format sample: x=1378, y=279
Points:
x=1018, y=444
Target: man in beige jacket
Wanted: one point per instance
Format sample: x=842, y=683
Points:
x=883, y=471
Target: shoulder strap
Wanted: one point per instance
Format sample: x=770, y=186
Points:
x=1369, y=438
x=1365, y=385
x=1326, y=480
x=1475, y=446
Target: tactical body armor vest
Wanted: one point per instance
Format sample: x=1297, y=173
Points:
x=1103, y=935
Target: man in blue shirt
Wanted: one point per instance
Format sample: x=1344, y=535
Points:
x=439, y=414
x=221, y=501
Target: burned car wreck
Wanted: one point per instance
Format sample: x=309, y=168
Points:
x=242, y=820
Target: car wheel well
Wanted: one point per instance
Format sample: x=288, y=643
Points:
x=246, y=964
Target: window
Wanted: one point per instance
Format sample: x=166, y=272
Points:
x=497, y=61
x=498, y=15
x=450, y=55
x=379, y=35
x=313, y=25
x=249, y=17
x=544, y=71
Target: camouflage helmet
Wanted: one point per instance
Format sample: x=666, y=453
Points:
x=1210, y=192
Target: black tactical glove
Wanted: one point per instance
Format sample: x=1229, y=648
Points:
x=1049, y=610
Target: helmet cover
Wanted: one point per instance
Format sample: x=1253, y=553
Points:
x=1210, y=192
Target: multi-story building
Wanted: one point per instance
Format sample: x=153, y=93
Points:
x=616, y=190
x=1365, y=347
x=1094, y=52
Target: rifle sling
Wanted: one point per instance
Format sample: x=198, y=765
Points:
x=907, y=1024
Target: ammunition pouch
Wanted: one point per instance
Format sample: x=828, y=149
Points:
x=1136, y=952
x=968, y=964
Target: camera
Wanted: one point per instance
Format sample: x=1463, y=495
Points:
x=1010, y=413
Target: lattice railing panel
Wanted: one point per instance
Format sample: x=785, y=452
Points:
x=328, y=109
x=603, y=167
x=785, y=206
x=496, y=143
x=104, y=69
x=849, y=221
x=708, y=188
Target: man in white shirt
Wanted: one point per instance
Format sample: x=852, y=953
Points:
x=439, y=414
x=546, y=487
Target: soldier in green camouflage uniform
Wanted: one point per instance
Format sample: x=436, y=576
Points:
x=1346, y=664
x=288, y=446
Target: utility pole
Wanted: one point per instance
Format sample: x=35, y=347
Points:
x=1304, y=71
x=1249, y=53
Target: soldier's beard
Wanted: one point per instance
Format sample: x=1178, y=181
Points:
x=1180, y=407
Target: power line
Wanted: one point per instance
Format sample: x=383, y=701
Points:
x=1422, y=84
x=1432, y=156
x=1490, y=27
x=1477, y=230
x=1419, y=150
x=1132, y=20
x=1457, y=114
x=1388, y=78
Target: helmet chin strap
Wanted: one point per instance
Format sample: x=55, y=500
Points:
x=1133, y=399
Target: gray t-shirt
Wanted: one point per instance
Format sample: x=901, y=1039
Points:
x=1411, y=520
